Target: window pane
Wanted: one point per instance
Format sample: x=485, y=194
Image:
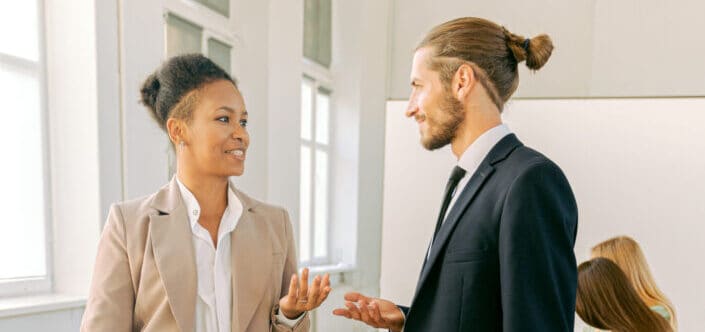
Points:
x=182, y=36
x=306, y=109
x=219, y=52
x=19, y=33
x=317, y=31
x=305, y=205
x=220, y=6
x=322, y=116
x=22, y=239
x=321, y=205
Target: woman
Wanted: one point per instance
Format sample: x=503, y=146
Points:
x=199, y=255
x=627, y=254
x=606, y=300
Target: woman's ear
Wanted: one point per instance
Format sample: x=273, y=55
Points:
x=463, y=81
x=176, y=128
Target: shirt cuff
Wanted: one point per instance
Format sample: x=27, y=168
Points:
x=286, y=321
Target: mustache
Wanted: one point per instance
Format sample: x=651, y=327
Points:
x=419, y=117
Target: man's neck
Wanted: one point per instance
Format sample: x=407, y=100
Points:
x=468, y=134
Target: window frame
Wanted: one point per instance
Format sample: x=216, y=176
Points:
x=23, y=286
x=320, y=79
x=214, y=24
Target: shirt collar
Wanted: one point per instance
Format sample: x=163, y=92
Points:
x=230, y=216
x=477, y=151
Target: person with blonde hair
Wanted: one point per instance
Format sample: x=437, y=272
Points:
x=627, y=254
x=607, y=300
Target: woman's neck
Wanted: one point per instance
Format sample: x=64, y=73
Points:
x=211, y=192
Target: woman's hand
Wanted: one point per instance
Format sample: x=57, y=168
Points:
x=374, y=312
x=300, y=298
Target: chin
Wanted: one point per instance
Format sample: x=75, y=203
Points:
x=238, y=172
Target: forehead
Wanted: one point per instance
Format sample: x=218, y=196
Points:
x=419, y=66
x=222, y=93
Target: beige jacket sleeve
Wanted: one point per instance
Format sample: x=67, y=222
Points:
x=111, y=297
x=290, y=267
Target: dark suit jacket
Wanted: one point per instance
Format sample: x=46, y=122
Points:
x=503, y=259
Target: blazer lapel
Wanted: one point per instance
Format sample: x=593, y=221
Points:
x=498, y=153
x=251, y=263
x=174, y=254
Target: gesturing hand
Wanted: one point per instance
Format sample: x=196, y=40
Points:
x=374, y=312
x=300, y=298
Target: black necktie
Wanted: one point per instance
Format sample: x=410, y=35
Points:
x=455, y=177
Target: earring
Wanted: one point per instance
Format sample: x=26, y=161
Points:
x=181, y=145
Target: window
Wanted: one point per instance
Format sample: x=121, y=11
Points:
x=315, y=165
x=23, y=194
x=183, y=36
x=317, y=31
x=316, y=106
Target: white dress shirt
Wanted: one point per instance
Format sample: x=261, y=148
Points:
x=473, y=156
x=214, y=265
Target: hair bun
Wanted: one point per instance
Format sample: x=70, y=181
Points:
x=535, y=51
x=149, y=93
x=538, y=51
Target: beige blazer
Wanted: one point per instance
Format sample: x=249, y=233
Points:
x=145, y=271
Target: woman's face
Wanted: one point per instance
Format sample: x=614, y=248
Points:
x=216, y=138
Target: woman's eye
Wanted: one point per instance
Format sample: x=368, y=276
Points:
x=243, y=123
x=223, y=119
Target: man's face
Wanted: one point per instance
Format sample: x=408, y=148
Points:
x=437, y=112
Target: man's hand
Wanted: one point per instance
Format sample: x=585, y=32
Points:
x=374, y=312
x=301, y=298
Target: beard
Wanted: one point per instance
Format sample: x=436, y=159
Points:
x=442, y=127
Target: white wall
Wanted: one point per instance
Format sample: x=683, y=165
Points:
x=602, y=48
x=636, y=166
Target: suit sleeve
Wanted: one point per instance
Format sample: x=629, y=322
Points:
x=111, y=297
x=290, y=267
x=538, y=271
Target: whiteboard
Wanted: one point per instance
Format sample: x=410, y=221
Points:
x=637, y=167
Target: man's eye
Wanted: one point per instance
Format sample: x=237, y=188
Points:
x=243, y=123
x=223, y=119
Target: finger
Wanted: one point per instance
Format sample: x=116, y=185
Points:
x=342, y=312
x=314, y=293
x=353, y=296
x=374, y=313
x=354, y=311
x=292, y=288
x=364, y=312
x=324, y=294
x=326, y=281
x=303, y=285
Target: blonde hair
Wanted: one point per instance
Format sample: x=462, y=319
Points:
x=627, y=254
x=488, y=46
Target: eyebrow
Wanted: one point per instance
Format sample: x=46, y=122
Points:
x=231, y=110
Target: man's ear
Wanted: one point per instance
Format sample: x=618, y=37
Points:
x=463, y=81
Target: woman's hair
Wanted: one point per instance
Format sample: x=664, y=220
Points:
x=170, y=90
x=606, y=300
x=489, y=46
x=627, y=254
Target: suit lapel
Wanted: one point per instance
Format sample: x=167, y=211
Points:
x=170, y=234
x=466, y=196
x=498, y=153
x=251, y=263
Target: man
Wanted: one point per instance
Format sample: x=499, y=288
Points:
x=501, y=258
